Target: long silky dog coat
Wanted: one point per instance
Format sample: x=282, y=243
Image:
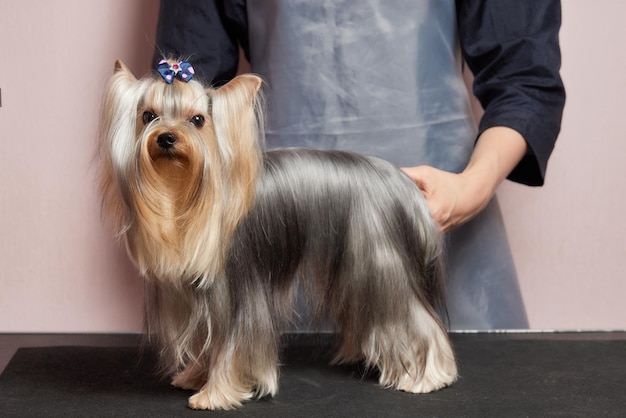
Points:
x=225, y=234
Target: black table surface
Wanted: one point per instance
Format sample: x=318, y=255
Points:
x=502, y=374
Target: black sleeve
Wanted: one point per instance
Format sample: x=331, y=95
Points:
x=512, y=47
x=207, y=33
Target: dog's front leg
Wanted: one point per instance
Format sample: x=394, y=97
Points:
x=223, y=390
x=193, y=377
x=236, y=377
x=243, y=363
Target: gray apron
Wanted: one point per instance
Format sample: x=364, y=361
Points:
x=383, y=78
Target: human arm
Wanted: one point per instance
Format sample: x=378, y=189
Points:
x=512, y=48
x=453, y=199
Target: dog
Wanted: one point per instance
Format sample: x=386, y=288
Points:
x=225, y=234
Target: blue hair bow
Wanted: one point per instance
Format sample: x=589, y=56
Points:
x=170, y=70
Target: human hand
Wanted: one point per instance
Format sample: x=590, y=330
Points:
x=452, y=199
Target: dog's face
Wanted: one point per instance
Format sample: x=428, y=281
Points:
x=178, y=158
x=175, y=137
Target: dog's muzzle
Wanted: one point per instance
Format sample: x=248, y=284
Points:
x=166, y=141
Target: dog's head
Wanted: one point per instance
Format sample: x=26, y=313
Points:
x=179, y=163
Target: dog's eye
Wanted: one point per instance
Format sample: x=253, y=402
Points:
x=148, y=117
x=198, y=121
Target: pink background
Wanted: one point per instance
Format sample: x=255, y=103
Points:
x=60, y=270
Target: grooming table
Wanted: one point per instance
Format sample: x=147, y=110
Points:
x=517, y=375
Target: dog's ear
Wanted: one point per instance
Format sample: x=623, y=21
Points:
x=121, y=68
x=237, y=120
x=246, y=86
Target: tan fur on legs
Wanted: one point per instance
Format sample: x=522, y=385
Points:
x=416, y=359
x=230, y=384
x=193, y=377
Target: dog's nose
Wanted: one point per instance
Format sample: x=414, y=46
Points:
x=166, y=140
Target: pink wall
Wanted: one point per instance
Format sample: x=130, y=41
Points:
x=61, y=272
x=569, y=238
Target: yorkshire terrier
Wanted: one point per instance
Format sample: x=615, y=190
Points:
x=226, y=234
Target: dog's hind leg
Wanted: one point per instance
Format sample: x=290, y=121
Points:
x=412, y=352
x=415, y=356
x=388, y=324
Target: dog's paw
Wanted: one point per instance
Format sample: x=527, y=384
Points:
x=434, y=378
x=424, y=385
x=191, y=378
x=182, y=381
x=208, y=398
